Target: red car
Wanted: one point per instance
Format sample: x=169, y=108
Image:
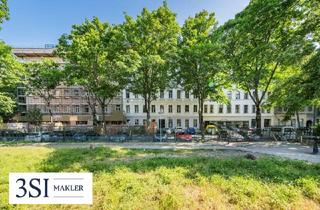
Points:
x=183, y=136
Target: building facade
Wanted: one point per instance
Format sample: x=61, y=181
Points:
x=176, y=108
x=70, y=104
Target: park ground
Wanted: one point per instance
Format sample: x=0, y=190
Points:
x=176, y=176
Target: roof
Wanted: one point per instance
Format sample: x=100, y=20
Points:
x=33, y=52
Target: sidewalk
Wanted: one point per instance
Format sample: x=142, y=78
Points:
x=281, y=149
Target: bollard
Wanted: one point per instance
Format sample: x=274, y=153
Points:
x=315, y=147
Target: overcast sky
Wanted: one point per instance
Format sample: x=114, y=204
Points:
x=34, y=23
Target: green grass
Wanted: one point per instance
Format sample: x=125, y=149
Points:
x=153, y=179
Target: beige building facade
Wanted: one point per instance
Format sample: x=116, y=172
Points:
x=70, y=105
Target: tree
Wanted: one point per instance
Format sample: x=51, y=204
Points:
x=11, y=72
x=198, y=70
x=43, y=78
x=153, y=35
x=4, y=11
x=34, y=116
x=260, y=43
x=97, y=60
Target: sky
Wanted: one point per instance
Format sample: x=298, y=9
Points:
x=34, y=23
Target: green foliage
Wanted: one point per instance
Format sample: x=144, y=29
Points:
x=130, y=179
x=34, y=116
x=260, y=43
x=4, y=11
x=153, y=35
x=11, y=73
x=198, y=60
x=97, y=59
x=43, y=78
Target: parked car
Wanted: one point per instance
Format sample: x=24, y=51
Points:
x=119, y=138
x=178, y=129
x=45, y=136
x=191, y=131
x=160, y=138
x=33, y=137
x=183, y=136
x=79, y=137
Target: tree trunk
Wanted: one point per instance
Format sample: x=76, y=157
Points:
x=147, y=105
x=50, y=112
x=200, y=102
x=314, y=115
x=103, y=113
x=258, y=119
x=298, y=119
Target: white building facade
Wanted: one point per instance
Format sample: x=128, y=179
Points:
x=176, y=108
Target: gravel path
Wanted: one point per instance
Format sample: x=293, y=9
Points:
x=281, y=149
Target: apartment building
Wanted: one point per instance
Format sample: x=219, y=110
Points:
x=70, y=104
x=307, y=117
x=179, y=108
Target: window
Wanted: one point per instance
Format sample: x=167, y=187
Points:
x=136, y=96
x=187, y=94
x=237, y=108
x=144, y=109
x=153, y=108
x=186, y=123
x=178, y=108
x=267, y=123
x=161, y=108
x=170, y=123
x=76, y=92
x=229, y=108
x=86, y=109
x=77, y=109
x=211, y=108
x=118, y=107
x=127, y=94
x=106, y=109
x=238, y=95
x=205, y=108
x=262, y=110
x=245, y=109
x=178, y=122
x=161, y=94
x=136, y=121
x=128, y=109
x=245, y=96
x=66, y=93
x=136, y=109
x=220, y=108
x=178, y=94
x=170, y=108
x=310, y=108
x=186, y=108
x=229, y=95
x=170, y=93
x=195, y=108
x=253, y=108
x=195, y=123
x=268, y=111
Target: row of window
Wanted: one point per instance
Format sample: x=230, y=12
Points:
x=206, y=109
x=73, y=108
x=162, y=93
x=178, y=123
x=187, y=95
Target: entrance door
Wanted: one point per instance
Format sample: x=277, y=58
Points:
x=162, y=123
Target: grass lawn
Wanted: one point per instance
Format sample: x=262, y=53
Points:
x=167, y=179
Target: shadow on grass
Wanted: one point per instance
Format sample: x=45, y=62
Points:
x=268, y=169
